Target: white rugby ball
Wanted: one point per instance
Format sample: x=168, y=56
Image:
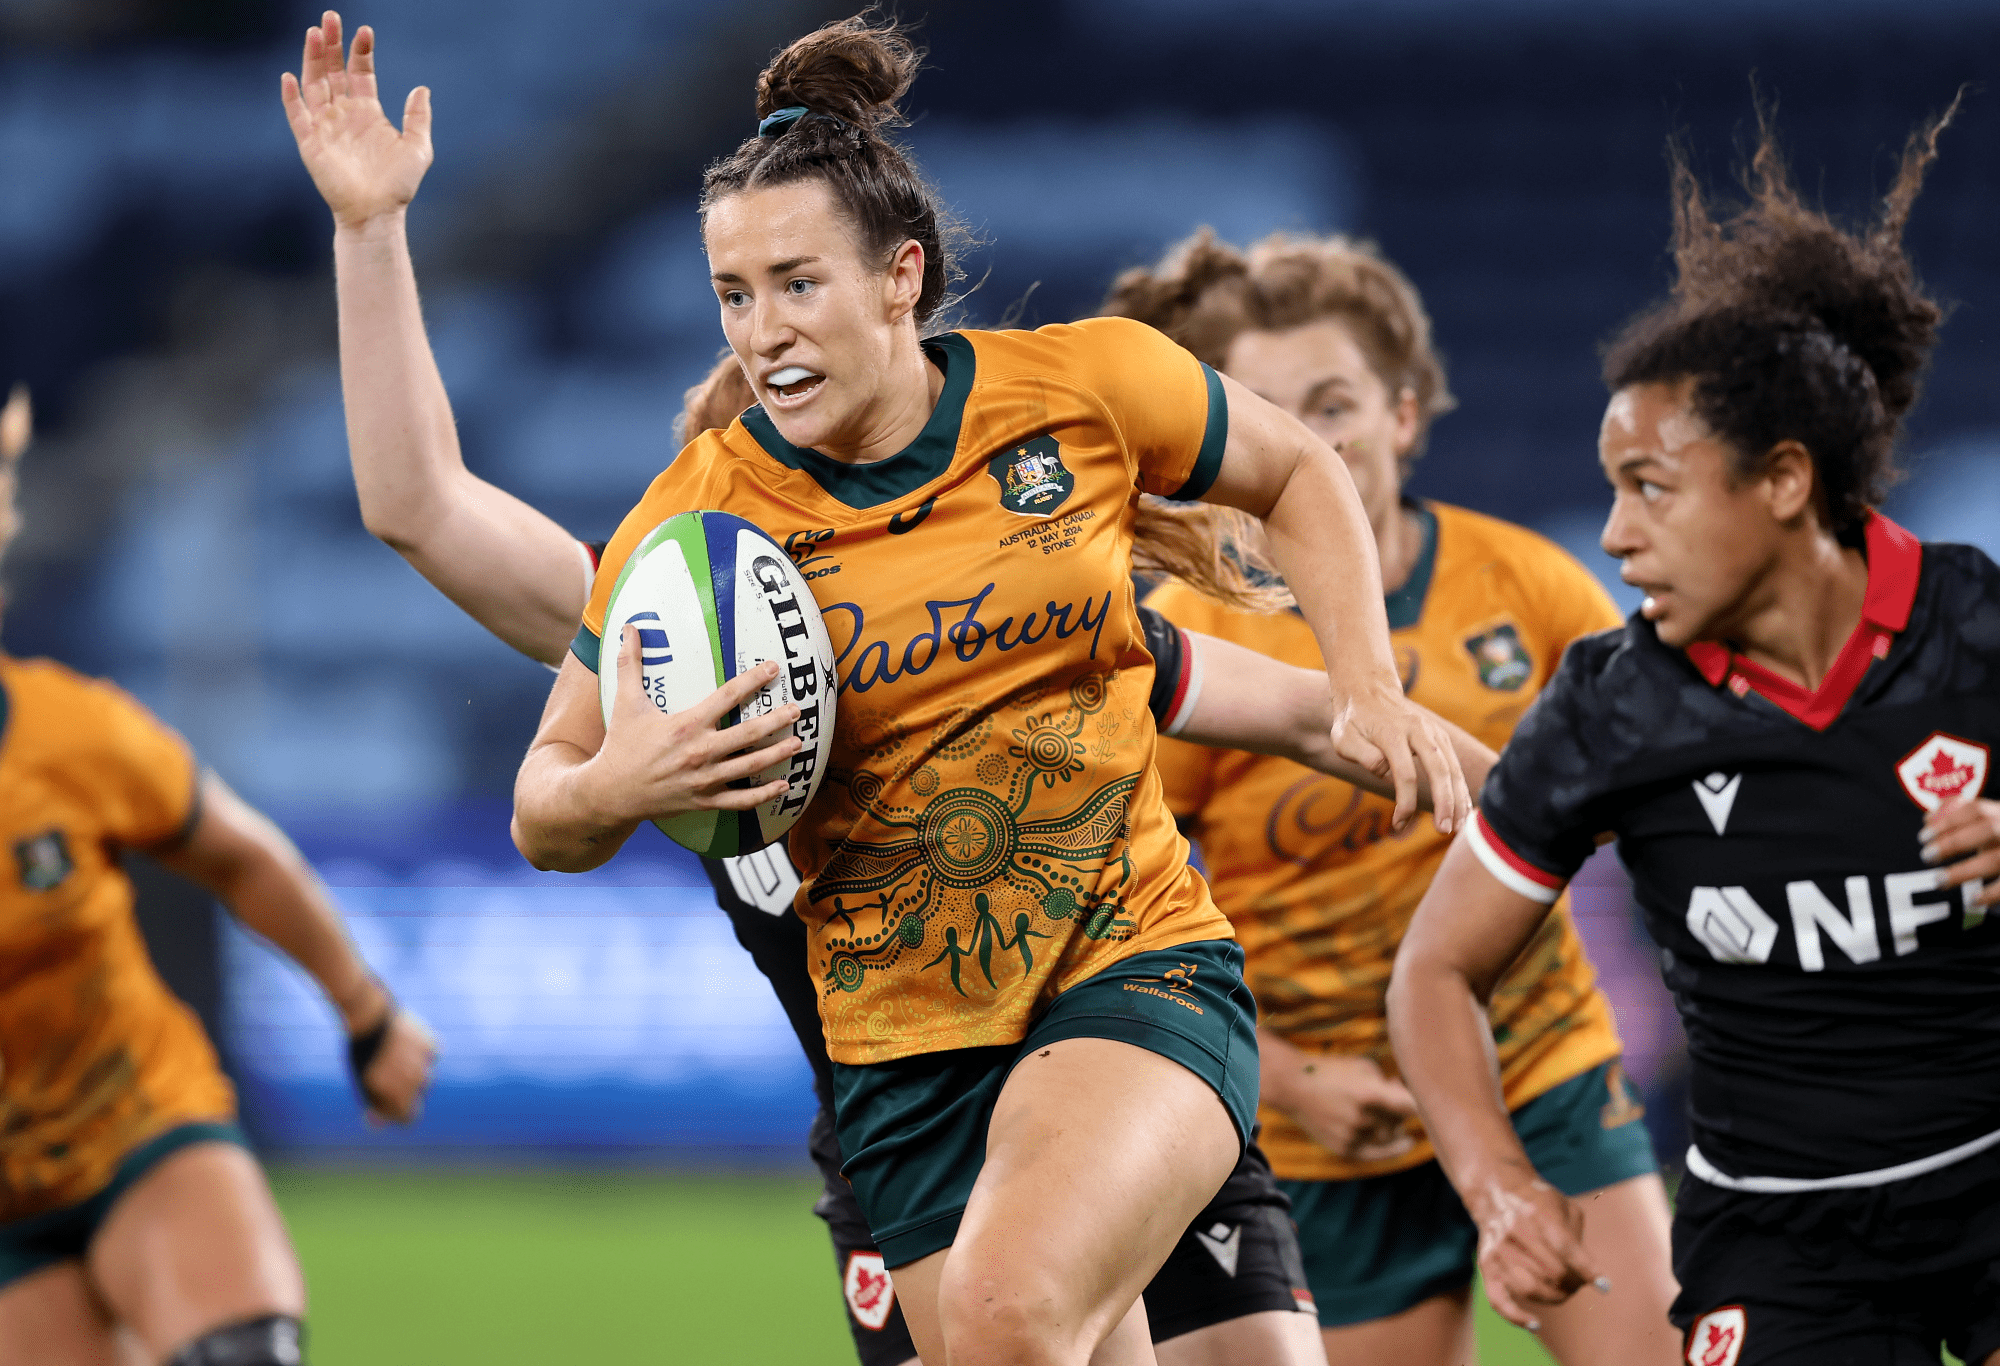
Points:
x=711, y=595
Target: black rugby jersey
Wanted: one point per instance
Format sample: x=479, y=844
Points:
x=755, y=890
x=1842, y=1011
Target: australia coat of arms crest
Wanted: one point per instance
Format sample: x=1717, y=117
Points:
x=1033, y=480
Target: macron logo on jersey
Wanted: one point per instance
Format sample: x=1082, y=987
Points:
x=1718, y=794
x=1225, y=1244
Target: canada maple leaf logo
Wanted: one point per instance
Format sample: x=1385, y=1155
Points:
x=1720, y=1341
x=1717, y=1337
x=871, y=1292
x=1946, y=777
x=869, y=1288
x=1942, y=769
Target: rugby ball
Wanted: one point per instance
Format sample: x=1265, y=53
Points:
x=711, y=595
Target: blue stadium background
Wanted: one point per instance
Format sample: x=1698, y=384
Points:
x=165, y=285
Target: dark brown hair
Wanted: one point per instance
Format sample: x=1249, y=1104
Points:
x=1791, y=327
x=1205, y=292
x=849, y=77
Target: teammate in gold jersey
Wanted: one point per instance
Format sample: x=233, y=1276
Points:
x=1320, y=885
x=134, y=1224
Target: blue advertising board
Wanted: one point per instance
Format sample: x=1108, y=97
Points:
x=611, y=1013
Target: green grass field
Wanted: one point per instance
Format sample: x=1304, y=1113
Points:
x=435, y=1268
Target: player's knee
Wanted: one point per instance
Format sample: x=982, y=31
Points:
x=994, y=1319
x=274, y=1340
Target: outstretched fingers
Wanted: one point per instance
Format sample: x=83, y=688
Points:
x=297, y=112
x=336, y=55
x=17, y=424
x=361, y=63
x=417, y=118
x=313, y=89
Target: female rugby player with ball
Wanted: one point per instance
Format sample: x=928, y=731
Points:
x=1027, y=1144
x=1022, y=762
x=516, y=572
x=1792, y=740
x=1320, y=887
x=134, y=1224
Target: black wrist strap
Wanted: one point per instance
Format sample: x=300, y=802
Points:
x=362, y=1048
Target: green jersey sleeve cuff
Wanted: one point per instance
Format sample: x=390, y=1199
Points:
x=1208, y=461
x=585, y=647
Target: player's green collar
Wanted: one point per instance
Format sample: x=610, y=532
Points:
x=866, y=486
x=1406, y=604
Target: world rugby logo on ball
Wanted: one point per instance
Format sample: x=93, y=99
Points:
x=711, y=596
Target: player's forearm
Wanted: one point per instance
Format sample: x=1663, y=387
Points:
x=1261, y=705
x=1266, y=706
x=400, y=433
x=237, y=853
x=512, y=569
x=563, y=822
x=1322, y=545
x=1444, y=1049
x=280, y=898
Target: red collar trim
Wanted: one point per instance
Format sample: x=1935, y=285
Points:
x=1895, y=558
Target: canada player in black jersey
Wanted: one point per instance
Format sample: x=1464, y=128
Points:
x=1791, y=741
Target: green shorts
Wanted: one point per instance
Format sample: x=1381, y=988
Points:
x=913, y=1131
x=1382, y=1244
x=28, y=1245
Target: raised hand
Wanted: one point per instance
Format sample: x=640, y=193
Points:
x=363, y=167
x=1390, y=735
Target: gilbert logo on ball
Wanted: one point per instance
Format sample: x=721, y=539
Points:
x=712, y=595
x=1942, y=769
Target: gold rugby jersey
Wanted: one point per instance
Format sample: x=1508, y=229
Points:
x=96, y=1055
x=1305, y=866
x=991, y=830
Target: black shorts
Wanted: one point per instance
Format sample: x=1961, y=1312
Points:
x=1240, y=1256
x=1877, y=1276
x=881, y=1338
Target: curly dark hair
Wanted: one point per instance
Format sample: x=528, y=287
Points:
x=850, y=76
x=1792, y=327
x=1204, y=292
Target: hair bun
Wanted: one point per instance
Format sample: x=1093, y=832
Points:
x=853, y=70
